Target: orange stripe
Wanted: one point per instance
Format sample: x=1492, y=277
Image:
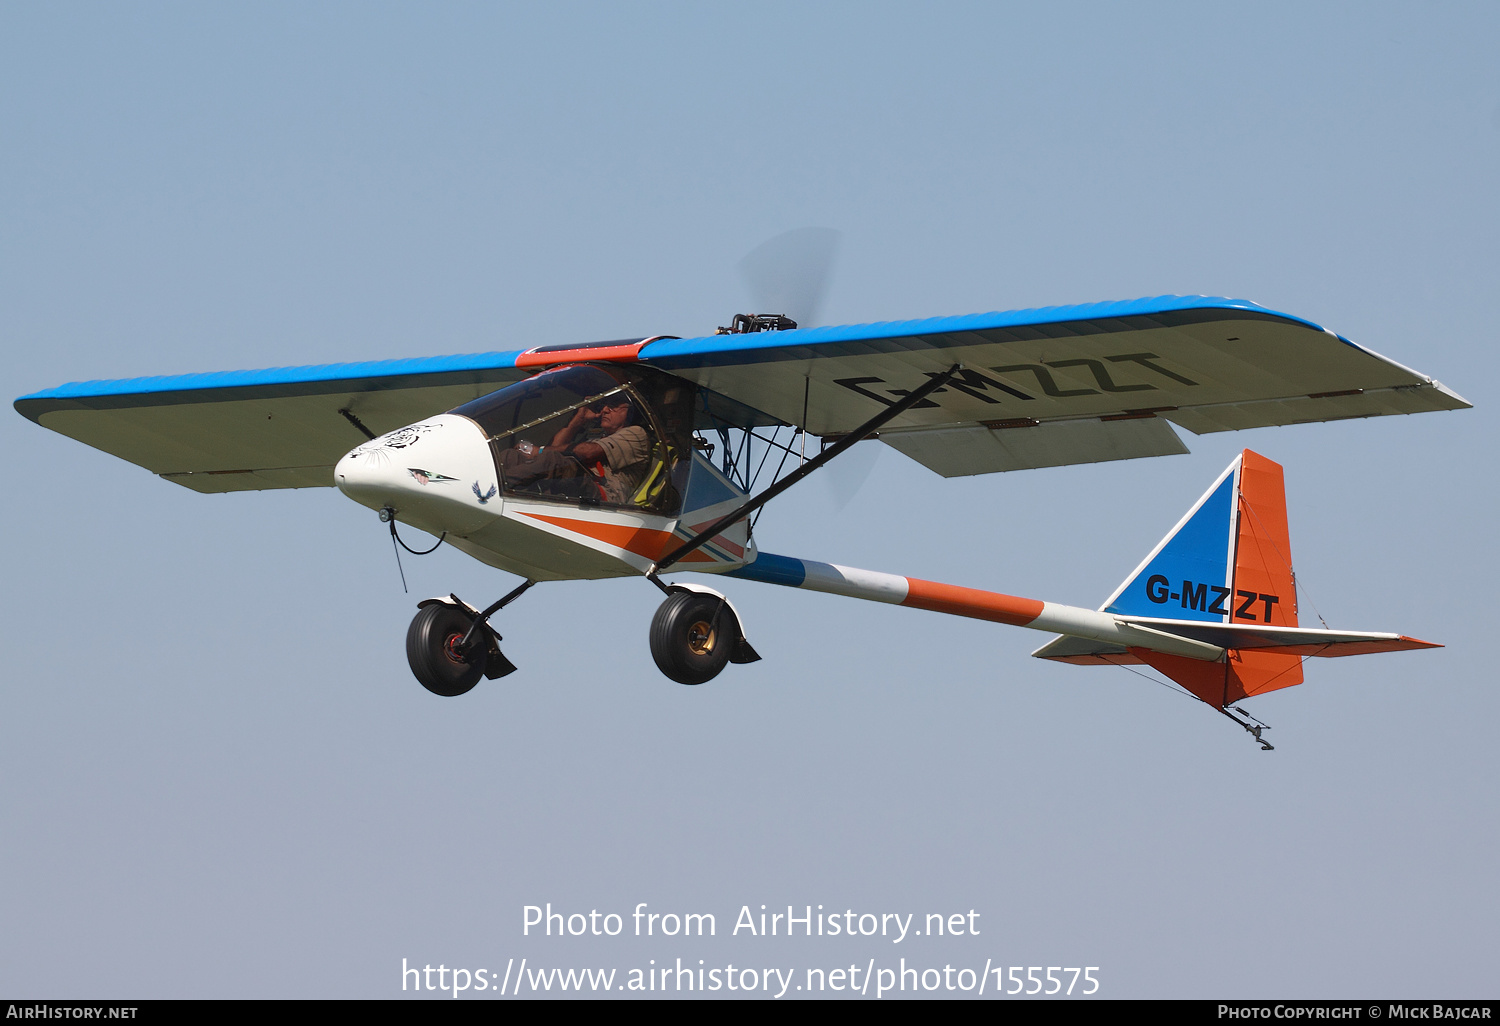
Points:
x=639, y=540
x=618, y=353
x=981, y=605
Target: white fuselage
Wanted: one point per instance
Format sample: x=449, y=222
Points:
x=439, y=476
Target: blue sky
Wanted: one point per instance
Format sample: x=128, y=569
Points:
x=220, y=778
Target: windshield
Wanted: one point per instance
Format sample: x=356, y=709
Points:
x=589, y=436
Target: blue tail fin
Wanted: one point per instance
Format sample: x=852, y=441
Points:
x=1188, y=575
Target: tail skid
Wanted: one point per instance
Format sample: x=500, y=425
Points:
x=1213, y=606
x=1253, y=730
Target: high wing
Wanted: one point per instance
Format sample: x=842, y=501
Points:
x=1038, y=388
x=279, y=428
x=1059, y=385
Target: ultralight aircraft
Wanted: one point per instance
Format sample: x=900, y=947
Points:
x=639, y=456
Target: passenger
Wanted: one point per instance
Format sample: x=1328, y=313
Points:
x=622, y=448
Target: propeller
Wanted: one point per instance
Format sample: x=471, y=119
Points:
x=789, y=273
x=846, y=476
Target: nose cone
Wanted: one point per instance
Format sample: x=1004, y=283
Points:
x=432, y=474
x=359, y=475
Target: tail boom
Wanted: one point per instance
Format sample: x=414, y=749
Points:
x=1227, y=567
x=1218, y=662
x=1052, y=617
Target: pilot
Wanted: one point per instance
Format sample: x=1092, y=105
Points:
x=623, y=448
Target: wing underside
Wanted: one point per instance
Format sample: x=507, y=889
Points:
x=1037, y=388
x=1059, y=386
x=284, y=428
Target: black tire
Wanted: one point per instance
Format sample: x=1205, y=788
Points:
x=693, y=636
x=430, y=641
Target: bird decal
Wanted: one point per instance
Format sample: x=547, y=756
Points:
x=483, y=497
x=423, y=477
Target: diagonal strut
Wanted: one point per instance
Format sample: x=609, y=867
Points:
x=866, y=429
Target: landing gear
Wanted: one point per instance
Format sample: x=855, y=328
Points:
x=450, y=645
x=434, y=648
x=693, y=636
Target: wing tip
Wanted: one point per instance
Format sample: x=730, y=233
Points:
x=22, y=406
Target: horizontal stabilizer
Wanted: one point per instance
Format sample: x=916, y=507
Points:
x=1298, y=641
x=1086, y=652
x=1302, y=641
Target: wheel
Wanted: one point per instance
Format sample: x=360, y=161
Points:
x=431, y=649
x=693, y=636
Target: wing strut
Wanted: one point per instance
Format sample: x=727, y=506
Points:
x=865, y=430
x=348, y=415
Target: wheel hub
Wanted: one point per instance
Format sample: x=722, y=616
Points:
x=701, y=637
x=451, y=649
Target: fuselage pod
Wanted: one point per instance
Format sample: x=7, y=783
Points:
x=583, y=471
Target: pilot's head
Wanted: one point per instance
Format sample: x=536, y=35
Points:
x=614, y=413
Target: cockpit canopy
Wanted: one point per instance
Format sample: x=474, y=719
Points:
x=592, y=434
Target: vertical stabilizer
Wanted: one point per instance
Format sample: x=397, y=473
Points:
x=1228, y=561
x=1186, y=576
